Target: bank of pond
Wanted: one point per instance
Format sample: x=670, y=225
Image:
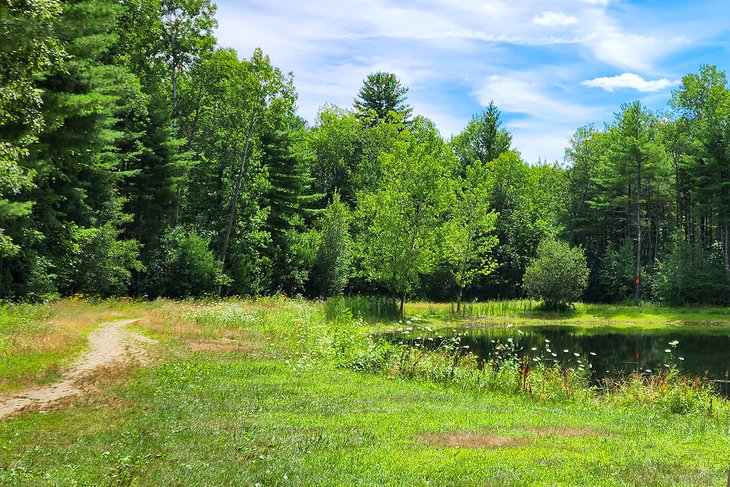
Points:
x=603, y=352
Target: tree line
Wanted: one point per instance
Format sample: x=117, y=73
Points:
x=139, y=157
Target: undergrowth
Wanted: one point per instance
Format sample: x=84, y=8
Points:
x=346, y=342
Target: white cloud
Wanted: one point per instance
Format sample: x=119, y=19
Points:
x=521, y=93
x=629, y=80
x=537, y=111
x=446, y=51
x=610, y=43
x=554, y=19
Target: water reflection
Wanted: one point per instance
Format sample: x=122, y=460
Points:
x=607, y=352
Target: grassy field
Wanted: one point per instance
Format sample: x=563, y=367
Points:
x=247, y=393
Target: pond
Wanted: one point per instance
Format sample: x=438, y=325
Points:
x=605, y=351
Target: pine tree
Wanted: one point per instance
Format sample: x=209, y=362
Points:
x=380, y=98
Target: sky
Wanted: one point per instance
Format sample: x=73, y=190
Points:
x=549, y=66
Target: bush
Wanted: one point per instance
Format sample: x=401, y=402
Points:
x=104, y=263
x=558, y=276
x=184, y=266
x=689, y=275
x=331, y=270
x=617, y=272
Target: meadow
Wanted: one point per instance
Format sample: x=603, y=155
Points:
x=292, y=392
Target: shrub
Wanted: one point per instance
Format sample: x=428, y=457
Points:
x=184, y=266
x=332, y=263
x=558, y=276
x=687, y=274
x=104, y=263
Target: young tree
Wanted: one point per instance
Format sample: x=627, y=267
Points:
x=332, y=263
x=467, y=239
x=402, y=217
x=558, y=275
x=381, y=96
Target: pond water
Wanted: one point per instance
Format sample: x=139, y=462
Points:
x=605, y=351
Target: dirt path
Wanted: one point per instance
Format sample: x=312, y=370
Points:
x=109, y=344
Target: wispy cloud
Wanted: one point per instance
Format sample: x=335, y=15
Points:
x=629, y=80
x=455, y=57
x=520, y=94
x=554, y=19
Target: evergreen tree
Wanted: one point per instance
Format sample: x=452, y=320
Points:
x=77, y=158
x=484, y=139
x=382, y=98
x=289, y=199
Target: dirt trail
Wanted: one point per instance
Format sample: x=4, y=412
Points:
x=109, y=344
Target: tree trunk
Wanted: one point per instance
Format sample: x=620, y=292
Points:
x=637, y=282
x=234, y=201
x=402, y=302
x=458, y=299
x=726, y=250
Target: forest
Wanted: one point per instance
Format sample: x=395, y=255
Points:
x=140, y=158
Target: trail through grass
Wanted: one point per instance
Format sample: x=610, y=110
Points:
x=261, y=408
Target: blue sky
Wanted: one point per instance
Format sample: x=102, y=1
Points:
x=550, y=66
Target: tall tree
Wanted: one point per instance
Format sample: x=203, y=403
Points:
x=187, y=33
x=483, y=139
x=468, y=241
x=702, y=103
x=78, y=157
x=636, y=167
x=29, y=47
x=381, y=98
x=403, y=215
x=289, y=200
x=335, y=143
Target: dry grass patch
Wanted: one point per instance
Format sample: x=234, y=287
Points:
x=470, y=440
x=564, y=431
x=106, y=375
x=224, y=345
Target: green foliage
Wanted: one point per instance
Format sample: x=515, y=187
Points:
x=371, y=309
x=484, y=139
x=558, y=275
x=332, y=263
x=689, y=275
x=104, y=263
x=528, y=200
x=382, y=98
x=289, y=201
x=335, y=141
x=467, y=234
x=184, y=266
x=401, y=217
x=616, y=271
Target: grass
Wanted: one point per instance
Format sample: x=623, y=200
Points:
x=274, y=408
x=526, y=313
x=37, y=341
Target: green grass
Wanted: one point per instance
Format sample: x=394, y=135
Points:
x=280, y=413
x=526, y=313
x=37, y=341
